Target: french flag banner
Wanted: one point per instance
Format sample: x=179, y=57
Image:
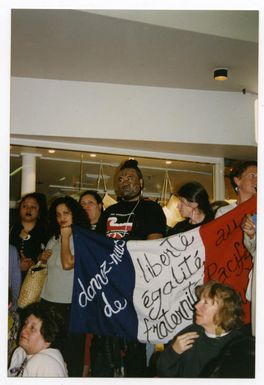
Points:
x=145, y=290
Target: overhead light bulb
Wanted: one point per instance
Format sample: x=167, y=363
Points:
x=220, y=74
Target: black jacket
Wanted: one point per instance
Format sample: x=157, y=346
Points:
x=211, y=357
x=236, y=360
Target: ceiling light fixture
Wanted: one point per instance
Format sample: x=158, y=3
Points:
x=93, y=155
x=220, y=74
x=51, y=151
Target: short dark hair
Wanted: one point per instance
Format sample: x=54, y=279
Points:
x=53, y=327
x=132, y=163
x=94, y=193
x=230, y=313
x=238, y=168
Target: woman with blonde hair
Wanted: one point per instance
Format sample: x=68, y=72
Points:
x=218, y=324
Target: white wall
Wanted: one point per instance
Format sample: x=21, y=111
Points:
x=97, y=110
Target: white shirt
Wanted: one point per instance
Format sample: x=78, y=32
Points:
x=47, y=363
x=58, y=286
x=225, y=209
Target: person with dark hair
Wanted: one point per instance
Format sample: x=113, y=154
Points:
x=218, y=323
x=132, y=218
x=243, y=177
x=59, y=256
x=193, y=205
x=29, y=232
x=92, y=203
x=38, y=353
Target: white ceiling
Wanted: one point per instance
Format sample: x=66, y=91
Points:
x=153, y=48
x=176, y=49
x=230, y=24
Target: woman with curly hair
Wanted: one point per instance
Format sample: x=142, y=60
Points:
x=38, y=353
x=218, y=324
x=59, y=256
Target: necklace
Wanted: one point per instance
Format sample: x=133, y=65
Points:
x=19, y=371
x=128, y=219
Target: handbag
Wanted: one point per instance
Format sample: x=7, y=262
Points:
x=32, y=285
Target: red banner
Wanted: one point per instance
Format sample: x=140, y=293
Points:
x=227, y=260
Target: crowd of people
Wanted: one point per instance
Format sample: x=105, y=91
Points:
x=40, y=342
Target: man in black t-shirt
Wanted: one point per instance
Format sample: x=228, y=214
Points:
x=131, y=218
x=138, y=220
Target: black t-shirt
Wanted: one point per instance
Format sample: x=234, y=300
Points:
x=132, y=220
x=185, y=225
x=32, y=246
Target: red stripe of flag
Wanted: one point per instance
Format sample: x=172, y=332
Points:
x=226, y=258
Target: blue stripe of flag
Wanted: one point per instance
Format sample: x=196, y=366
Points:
x=104, y=281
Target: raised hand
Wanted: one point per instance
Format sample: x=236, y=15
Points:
x=248, y=226
x=66, y=231
x=184, y=342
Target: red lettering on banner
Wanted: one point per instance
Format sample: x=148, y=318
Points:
x=227, y=259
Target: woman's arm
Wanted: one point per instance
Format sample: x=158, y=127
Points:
x=170, y=361
x=67, y=259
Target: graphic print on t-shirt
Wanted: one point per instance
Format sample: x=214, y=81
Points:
x=119, y=225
